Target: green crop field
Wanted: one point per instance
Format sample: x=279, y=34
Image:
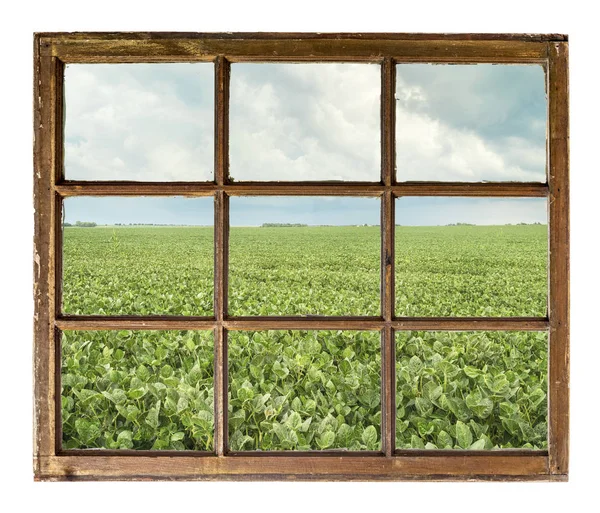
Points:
x=305, y=390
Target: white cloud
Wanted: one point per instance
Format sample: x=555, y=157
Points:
x=147, y=122
x=305, y=122
x=470, y=123
x=428, y=149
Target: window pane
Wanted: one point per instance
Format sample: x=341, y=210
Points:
x=471, y=257
x=305, y=122
x=471, y=123
x=304, y=256
x=144, y=122
x=471, y=390
x=146, y=256
x=294, y=390
x=137, y=390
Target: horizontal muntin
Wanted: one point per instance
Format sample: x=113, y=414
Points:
x=132, y=322
x=70, y=188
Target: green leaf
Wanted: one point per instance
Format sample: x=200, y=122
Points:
x=444, y=440
x=424, y=407
x=432, y=391
x=294, y=420
x=481, y=406
x=416, y=442
x=415, y=365
x=138, y=393
x=369, y=437
x=166, y=371
x=152, y=417
x=142, y=373
x=326, y=439
x=471, y=372
x=478, y=445
x=124, y=440
x=179, y=435
x=464, y=437
x=87, y=431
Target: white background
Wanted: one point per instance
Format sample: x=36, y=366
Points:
x=20, y=19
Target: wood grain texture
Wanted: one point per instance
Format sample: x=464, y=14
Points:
x=388, y=391
x=407, y=36
x=44, y=112
x=127, y=49
x=388, y=121
x=489, y=189
x=76, y=188
x=471, y=323
x=303, y=323
x=132, y=322
x=221, y=289
x=84, y=322
x=461, y=467
x=222, y=77
x=221, y=238
x=388, y=178
x=220, y=390
x=558, y=379
x=371, y=189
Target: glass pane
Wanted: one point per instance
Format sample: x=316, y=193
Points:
x=304, y=256
x=137, y=390
x=138, y=256
x=471, y=123
x=471, y=390
x=305, y=122
x=144, y=122
x=299, y=390
x=471, y=257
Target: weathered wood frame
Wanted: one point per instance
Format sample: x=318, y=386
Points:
x=53, y=50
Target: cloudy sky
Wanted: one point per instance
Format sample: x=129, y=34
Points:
x=148, y=122
x=154, y=122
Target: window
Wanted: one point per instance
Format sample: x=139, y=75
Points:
x=308, y=256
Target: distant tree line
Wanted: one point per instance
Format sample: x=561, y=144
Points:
x=149, y=224
x=82, y=224
x=283, y=225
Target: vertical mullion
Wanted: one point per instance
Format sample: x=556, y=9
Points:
x=558, y=311
x=221, y=249
x=388, y=356
x=388, y=121
x=221, y=265
x=222, y=70
x=387, y=253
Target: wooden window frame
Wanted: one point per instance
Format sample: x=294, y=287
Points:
x=53, y=50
